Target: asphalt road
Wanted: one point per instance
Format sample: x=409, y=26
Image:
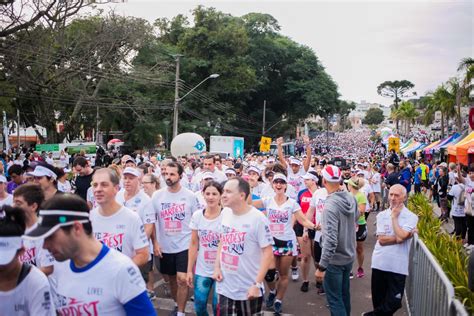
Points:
x=297, y=302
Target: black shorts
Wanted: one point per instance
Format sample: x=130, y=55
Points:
x=298, y=228
x=171, y=263
x=426, y=183
x=361, y=233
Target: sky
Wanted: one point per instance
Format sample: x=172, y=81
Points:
x=360, y=43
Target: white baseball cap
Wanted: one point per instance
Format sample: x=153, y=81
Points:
x=8, y=248
x=331, y=173
x=254, y=169
x=133, y=171
x=3, y=179
x=295, y=161
x=230, y=171
x=208, y=176
x=310, y=176
x=279, y=176
x=41, y=171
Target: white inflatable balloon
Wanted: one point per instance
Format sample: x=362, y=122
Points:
x=187, y=144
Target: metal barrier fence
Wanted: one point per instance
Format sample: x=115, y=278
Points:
x=428, y=289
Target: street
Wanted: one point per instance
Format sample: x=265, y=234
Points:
x=297, y=302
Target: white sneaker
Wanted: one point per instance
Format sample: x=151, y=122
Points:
x=295, y=275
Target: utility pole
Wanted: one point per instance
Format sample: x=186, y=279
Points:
x=17, y=130
x=176, y=98
x=97, y=125
x=264, y=110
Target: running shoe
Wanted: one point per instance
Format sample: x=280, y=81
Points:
x=351, y=275
x=295, y=275
x=277, y=307
x=270, y=299
x=304, y=286
x=360, y=273
x=151, y=295
x=320, y=291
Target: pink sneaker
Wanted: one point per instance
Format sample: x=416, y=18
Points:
x=360, y=273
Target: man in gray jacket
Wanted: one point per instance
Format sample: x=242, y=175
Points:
x=338, y=243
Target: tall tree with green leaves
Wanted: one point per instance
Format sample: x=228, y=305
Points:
x=374, y=116
x=408, y=114
x=396, y=90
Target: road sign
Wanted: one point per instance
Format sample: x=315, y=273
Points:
x=265, y=143
x=394, y=143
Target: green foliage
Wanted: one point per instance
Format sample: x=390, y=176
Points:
x=374, y=116
x=127, y=66
x=447, y=250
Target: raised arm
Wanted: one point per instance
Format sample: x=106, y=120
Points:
x=307, y=161
x=281, y=157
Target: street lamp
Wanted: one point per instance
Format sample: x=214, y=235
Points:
x=178, y=99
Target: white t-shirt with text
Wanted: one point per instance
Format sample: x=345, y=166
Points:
x=242, y=238
x=208, y=232
x=32, y=297
x=171, y=213
x=122, y=231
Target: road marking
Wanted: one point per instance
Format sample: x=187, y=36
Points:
x=167, y=304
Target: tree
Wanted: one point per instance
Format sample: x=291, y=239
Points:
x=16, y=16
x=464, y=88
x=343, y=109
x=440, y=100
x=396, y=90
x=374, y=116
x=59, y=72
x=407, y=113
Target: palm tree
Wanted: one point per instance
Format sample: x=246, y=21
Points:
x=408, y=114
x=464, y=88
x=441, y=100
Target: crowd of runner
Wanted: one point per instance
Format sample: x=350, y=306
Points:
x=241, y=228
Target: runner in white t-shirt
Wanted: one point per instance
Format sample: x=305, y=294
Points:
x=5, y=197
x=171, y=209
x=135, y=199
x=115, y=225
x=205, y=225
x=29, y=197
x=295, y=168
x=25, y=290
x=282, y=212
x=315, y=214
x=468, y=200
x=89, y=278
x=244, y=254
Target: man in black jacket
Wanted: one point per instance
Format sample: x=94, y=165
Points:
x=442, y=184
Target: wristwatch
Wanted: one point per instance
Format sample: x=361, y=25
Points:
x=322, y=269
x=259, y=285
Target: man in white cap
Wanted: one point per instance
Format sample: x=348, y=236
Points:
x=5, y=198
x=115, y=225
x=47, y=179
x=338, y=242
x=132, y=197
